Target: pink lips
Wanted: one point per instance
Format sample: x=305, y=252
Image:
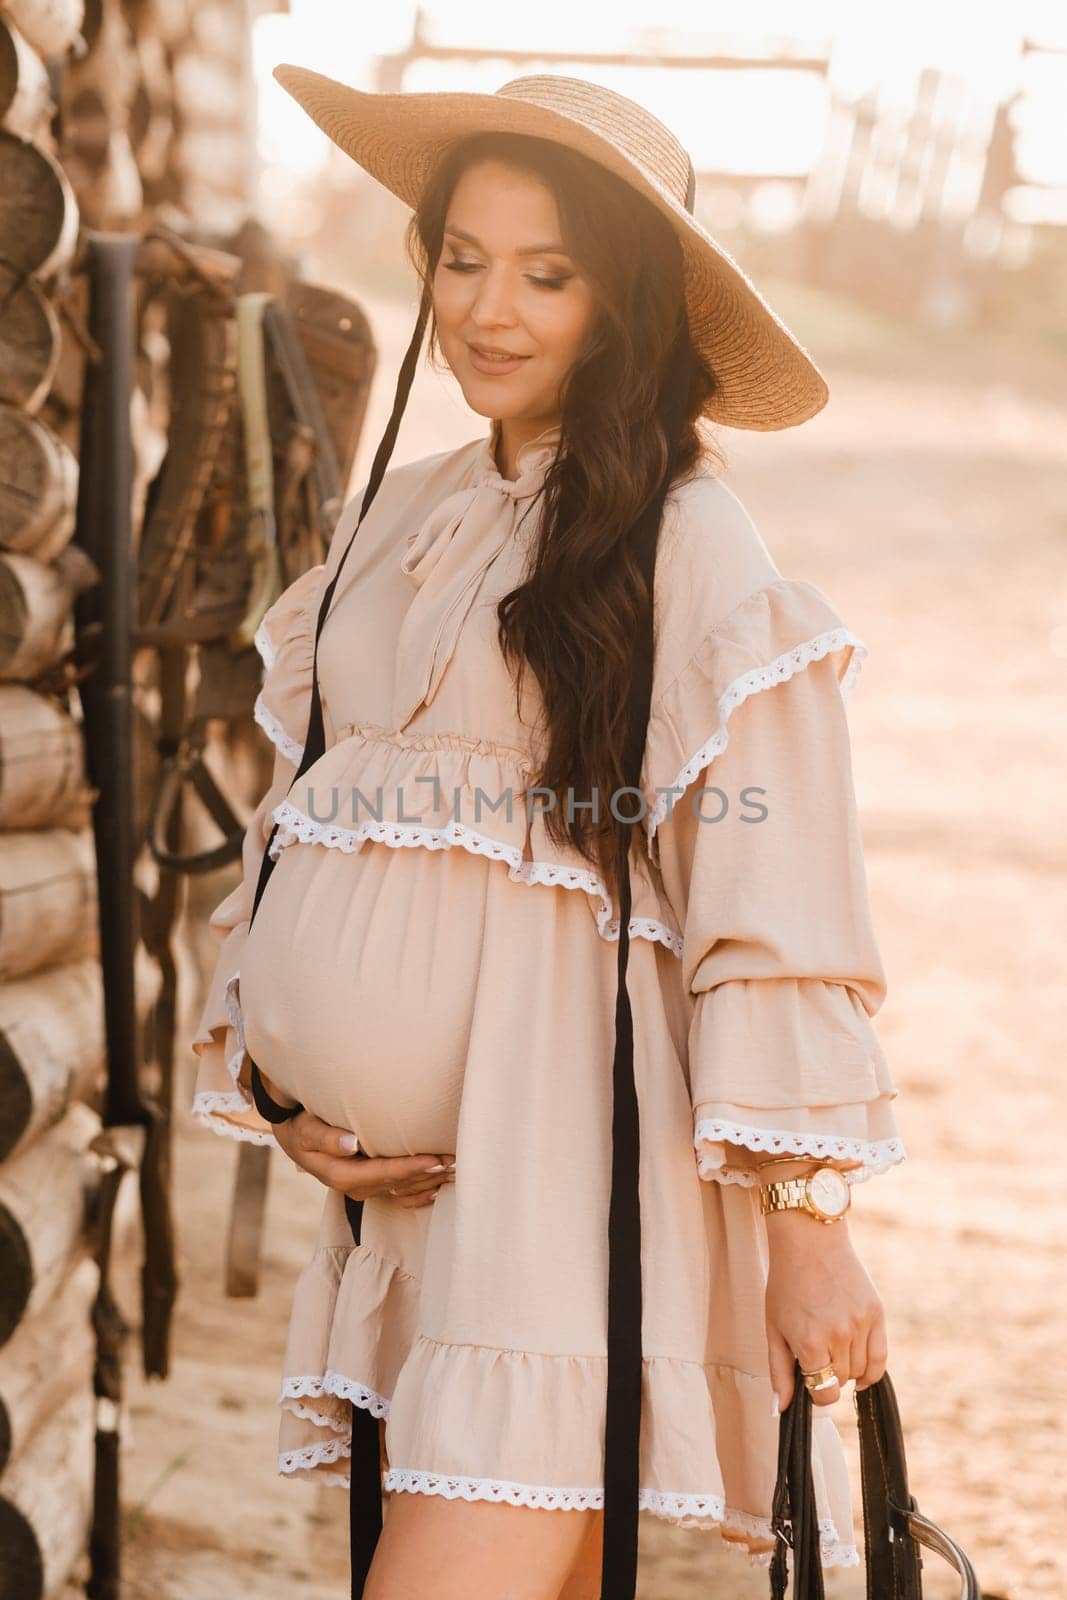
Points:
x=489, y=364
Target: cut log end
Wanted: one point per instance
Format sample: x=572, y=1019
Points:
x=22, y=1569
x=16, y=1098
x=17, y=1284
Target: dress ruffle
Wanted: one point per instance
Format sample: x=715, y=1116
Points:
x=354, y=1313
x=784, y=1065
x=873, y=1140
x=285, y=640
x=353, y=1339
x=222, y=1097
x=436, y=790
x=774, y=633
x=778, y=950
x=439, y=790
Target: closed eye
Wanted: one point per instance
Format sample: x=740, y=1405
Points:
x=542, y=283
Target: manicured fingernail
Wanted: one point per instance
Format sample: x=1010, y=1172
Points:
x=439, y=1168
x=775, y=1407
x=451, y=1167
x=348, y=1141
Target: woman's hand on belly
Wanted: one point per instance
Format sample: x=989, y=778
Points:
x=327, y=1153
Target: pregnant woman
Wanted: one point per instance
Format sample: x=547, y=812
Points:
x=552, y=958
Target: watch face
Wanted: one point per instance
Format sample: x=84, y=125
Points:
x=829, y=1192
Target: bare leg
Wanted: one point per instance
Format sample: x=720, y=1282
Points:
x=477, y=1550
x=583, y=1581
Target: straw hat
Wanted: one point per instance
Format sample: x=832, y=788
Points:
x=766, y=378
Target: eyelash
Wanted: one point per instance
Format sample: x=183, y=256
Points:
x=472, y=266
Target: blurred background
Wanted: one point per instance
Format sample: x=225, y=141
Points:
x=887, y=177
x=895, y=181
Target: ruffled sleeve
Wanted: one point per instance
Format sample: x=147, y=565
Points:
x=222, y=1096
x=761, y=856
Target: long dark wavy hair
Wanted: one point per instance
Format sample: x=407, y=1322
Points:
x=573, y=620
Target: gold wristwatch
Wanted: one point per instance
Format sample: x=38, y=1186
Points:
x=824, y=1192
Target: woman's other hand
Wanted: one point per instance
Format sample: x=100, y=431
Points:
x=821, y=1306
x=329, y=1154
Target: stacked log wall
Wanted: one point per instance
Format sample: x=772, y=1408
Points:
x=105, y=123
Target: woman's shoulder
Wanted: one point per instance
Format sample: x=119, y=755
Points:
x=433, y=474
x=407, y=491
x=711, y=553
x=711, y=557
x=719, y=591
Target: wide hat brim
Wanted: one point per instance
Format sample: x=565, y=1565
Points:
x=766, y=379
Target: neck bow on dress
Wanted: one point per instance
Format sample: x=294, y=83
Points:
x=447, y=559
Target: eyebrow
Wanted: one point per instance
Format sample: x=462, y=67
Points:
x=527, y=250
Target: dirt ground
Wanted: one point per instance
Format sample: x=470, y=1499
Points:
x=930, y=502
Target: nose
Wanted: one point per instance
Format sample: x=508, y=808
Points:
x=492, y=306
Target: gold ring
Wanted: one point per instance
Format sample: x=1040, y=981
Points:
x=824, y=1378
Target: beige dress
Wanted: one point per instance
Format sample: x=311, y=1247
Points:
x=430, y=970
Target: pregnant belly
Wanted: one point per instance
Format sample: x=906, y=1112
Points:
x=358, y=983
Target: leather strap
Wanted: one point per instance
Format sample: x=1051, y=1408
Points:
x=894, y=1528
x=315, y=739
x=287, y=356
x=179, y=768
x=266, y=1105
x=365, y=1495
x=365, y=1492
x=622, y=1433
x=265, y=584
x=794, y=1518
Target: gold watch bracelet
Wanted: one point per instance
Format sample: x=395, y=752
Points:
x=809, y=1164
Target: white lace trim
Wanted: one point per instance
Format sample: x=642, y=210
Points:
x=685, y=1510
x=232, y=1002
x=211, y=1105
x=833, y=1552
x=294, y=827
x=318, y=1455
x=319, y=1418
x=335, y=1383
x=209, y=1108
x=855, y=664
x=877, y=1155
x=779, y=670
x=264, y=644
x=289, y=747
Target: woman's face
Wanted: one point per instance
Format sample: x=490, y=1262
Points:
x=505, y=283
